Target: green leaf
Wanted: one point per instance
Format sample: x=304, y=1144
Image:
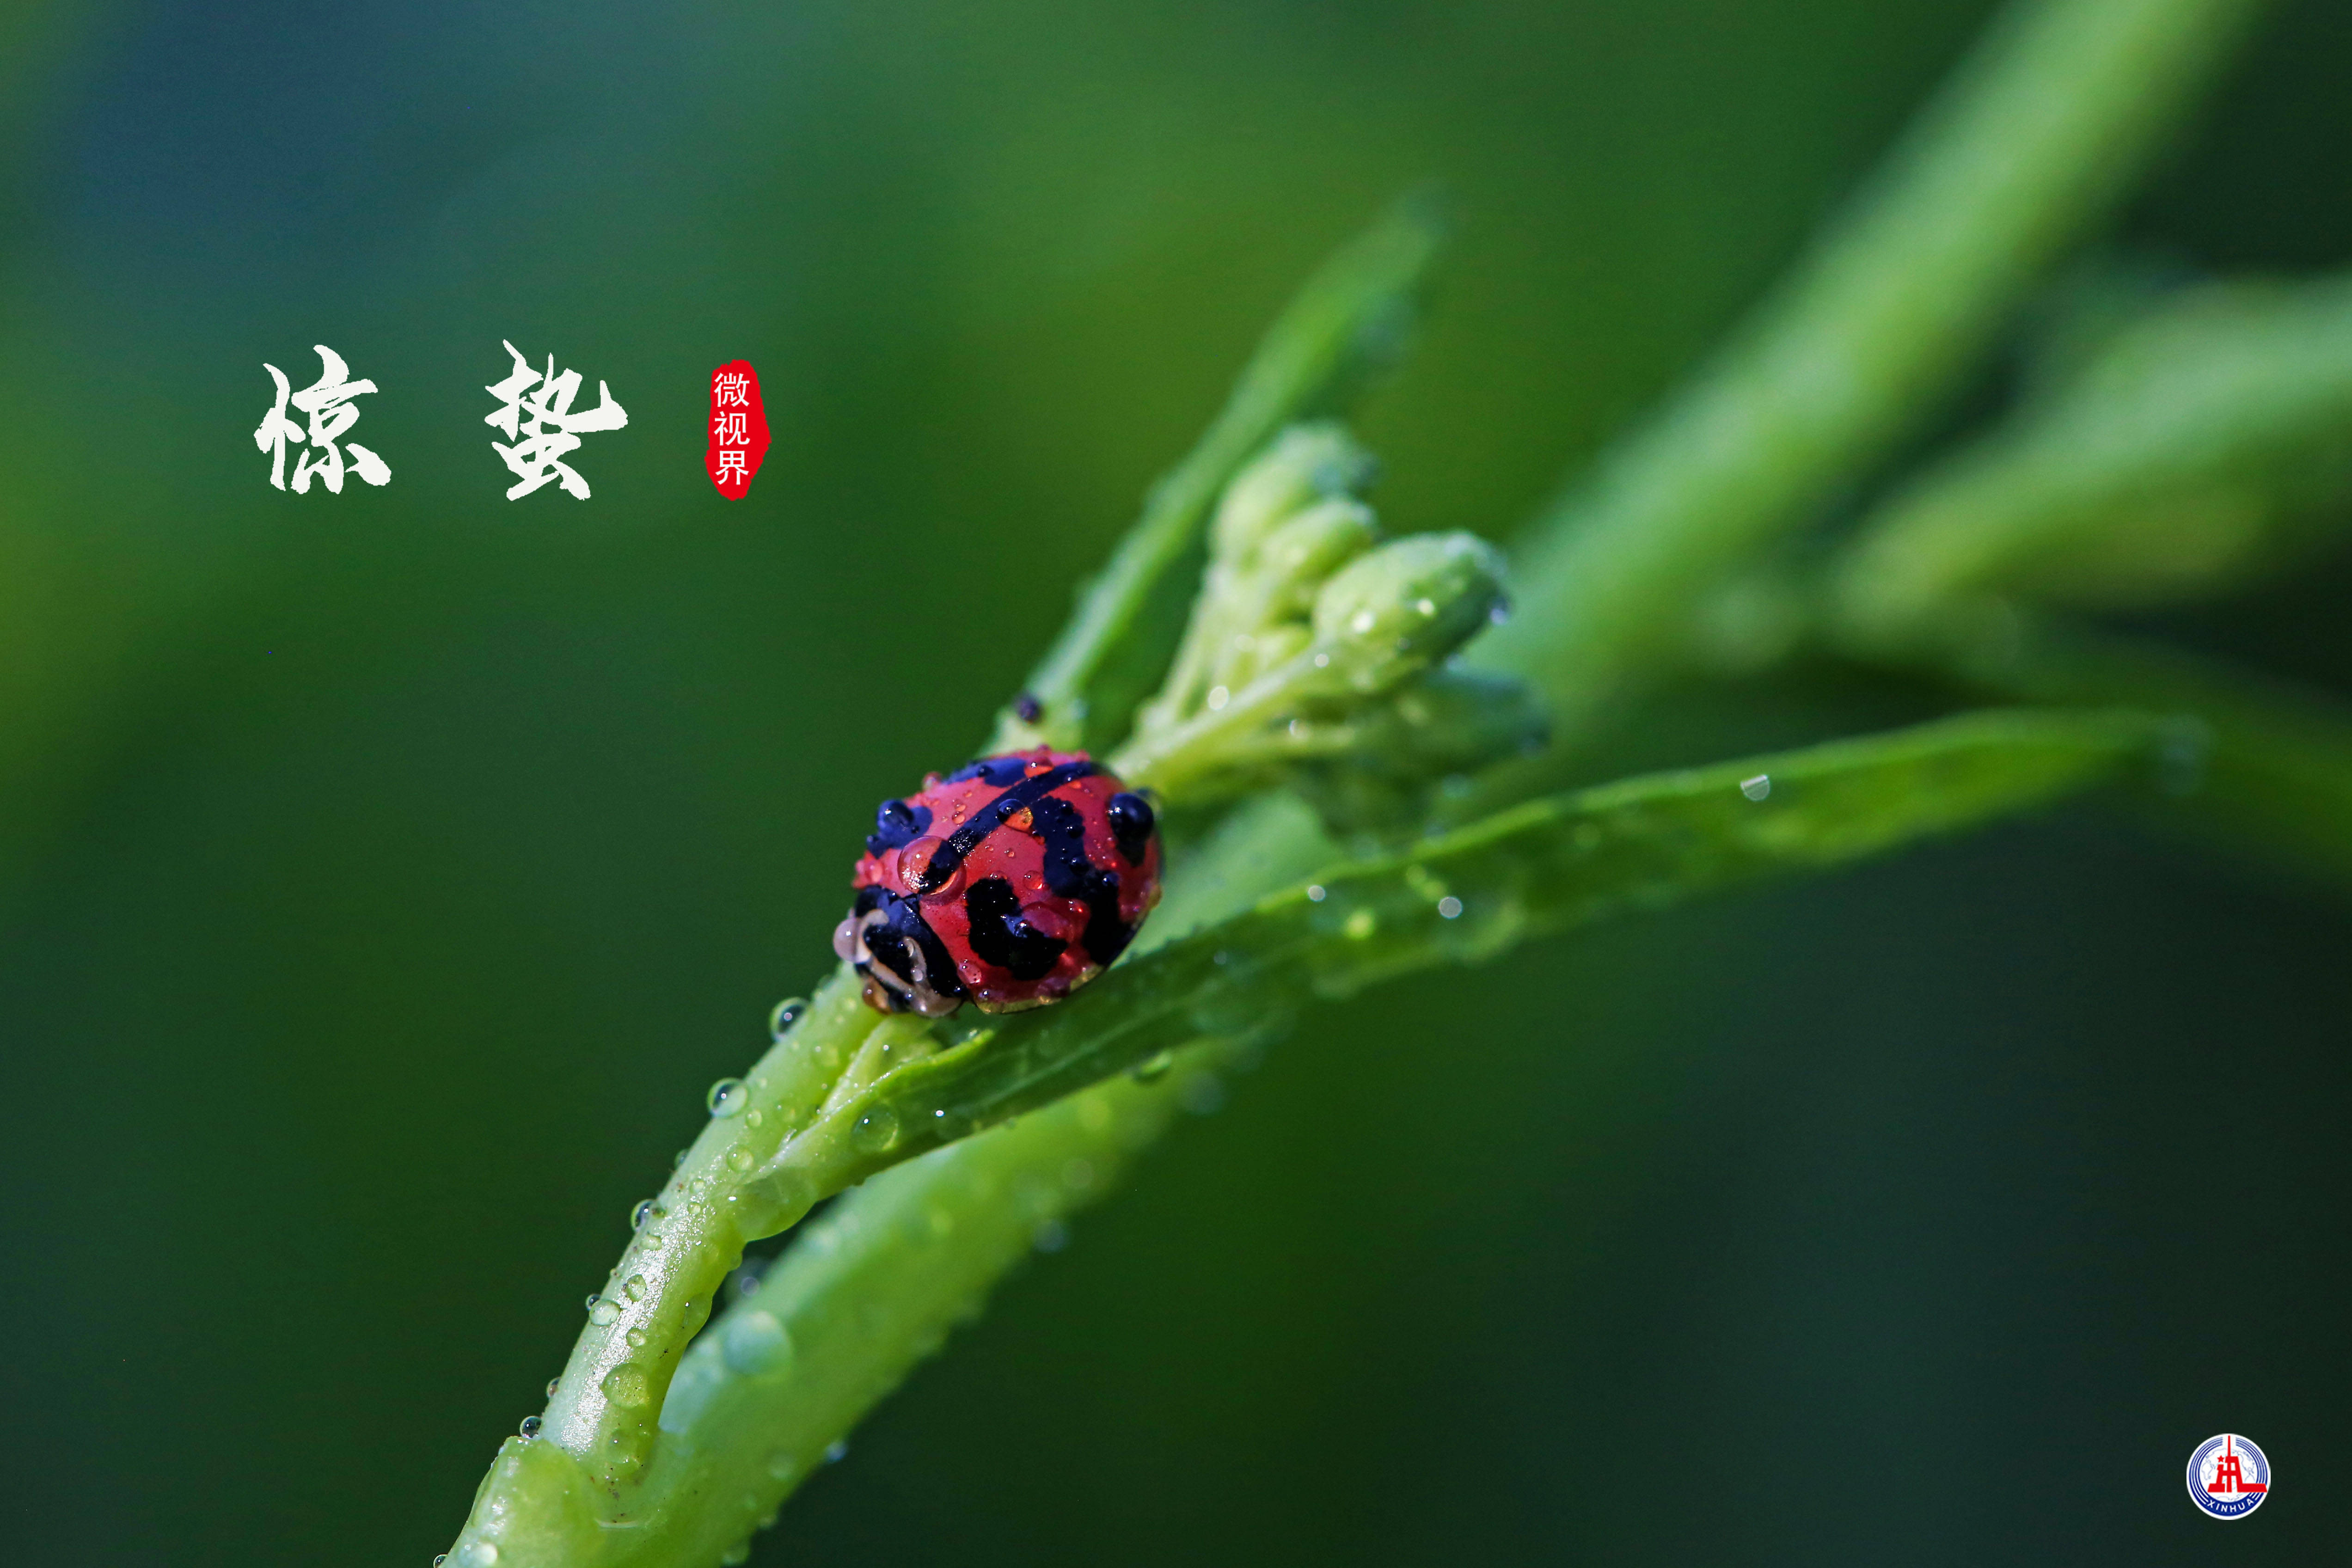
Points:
x=2247, y=760
x=1547, y=865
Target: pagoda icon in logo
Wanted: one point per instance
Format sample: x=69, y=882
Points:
x=2229, y=1476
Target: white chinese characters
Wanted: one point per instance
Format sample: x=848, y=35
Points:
x=328, y=403
x=543, y=427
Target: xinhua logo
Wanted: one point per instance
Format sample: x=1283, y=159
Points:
x=2228, y=1477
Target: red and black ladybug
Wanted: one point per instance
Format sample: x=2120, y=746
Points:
x=1010, y=883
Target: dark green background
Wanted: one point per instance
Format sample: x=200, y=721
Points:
x=383, y=875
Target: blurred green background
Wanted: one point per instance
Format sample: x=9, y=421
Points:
x=383, y=876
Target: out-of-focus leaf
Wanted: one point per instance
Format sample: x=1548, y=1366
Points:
x=2210, y=439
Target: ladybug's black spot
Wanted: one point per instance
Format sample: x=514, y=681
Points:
x=1002, y=937
x=1131, y=826
x=897, y=823
x=998, y=771
x=1057, y=825
x=991, y=817
x=1027, y=709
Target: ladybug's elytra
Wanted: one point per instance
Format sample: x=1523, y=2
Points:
x=1010, y=883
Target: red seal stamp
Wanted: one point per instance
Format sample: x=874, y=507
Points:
x=739, y=428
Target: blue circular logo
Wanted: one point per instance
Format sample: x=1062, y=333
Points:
x=2228, y=1477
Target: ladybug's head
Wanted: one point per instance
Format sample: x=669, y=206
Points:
x=906, y=966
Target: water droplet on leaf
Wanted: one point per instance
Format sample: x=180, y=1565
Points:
x=875, y=1131
x=628, y=1386
x=727, y=1097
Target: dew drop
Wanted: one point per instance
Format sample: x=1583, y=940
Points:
x=1757, y=788
x=1427, y=607
x=727, y=1097
x=601, y=1313
x=787, y=1013
x=1363, y=622
x=1218, y=697
x=1501, y=613
x=875, y=1131
x=739, y=1158
x=1322, y=661
x=917, y=870
x=1153, y=1068
x=1315, y=893
x=752, y=1119
x=628, y=1386
x=530, y=1426
x=637, y=1338
x=550, y=1387
x=642, y=1213
x=635, y=1289
x=439, y=1558
x=653, y=1242
x=835, y=1451
x=476, y=1554
x=677, y=1159
x=1449, y=908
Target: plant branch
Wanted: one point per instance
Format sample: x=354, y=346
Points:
x=2032, y=142
x=873, y=1290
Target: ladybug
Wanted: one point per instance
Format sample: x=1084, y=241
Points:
x=1011, y=882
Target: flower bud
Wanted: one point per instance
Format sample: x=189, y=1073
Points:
x=1404, y=607
x=1296, y=559
x=1269, y=648
x=1455, y=721
x=1449, y=723
x=1304, y=464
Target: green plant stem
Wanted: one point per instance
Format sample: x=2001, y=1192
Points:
x=2032, y=142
